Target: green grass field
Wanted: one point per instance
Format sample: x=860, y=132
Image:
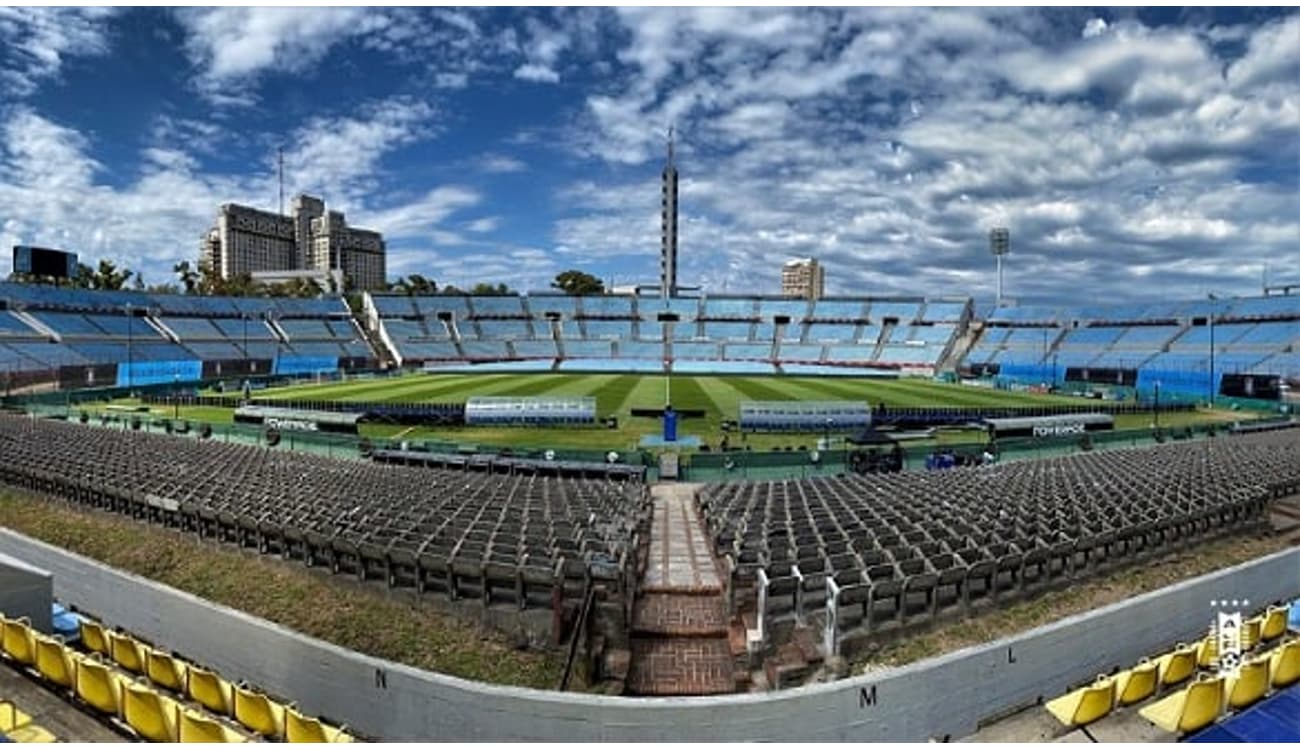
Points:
x=617, y=394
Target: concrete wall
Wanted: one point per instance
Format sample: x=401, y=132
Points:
x=947, y=695
x=26, y=591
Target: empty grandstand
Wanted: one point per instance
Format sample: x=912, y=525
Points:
x=649, y=334
x=1176, y=345
x=79, y=338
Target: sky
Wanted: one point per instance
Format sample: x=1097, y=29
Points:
x=1133, y=153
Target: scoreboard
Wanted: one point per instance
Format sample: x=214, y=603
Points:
x=40, y=261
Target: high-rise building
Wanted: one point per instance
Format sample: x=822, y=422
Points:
x=804, y=278
x=668, y=227
x=249, y=240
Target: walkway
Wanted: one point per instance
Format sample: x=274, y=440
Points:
x=680, y=620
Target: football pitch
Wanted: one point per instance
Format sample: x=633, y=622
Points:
x=616, y=395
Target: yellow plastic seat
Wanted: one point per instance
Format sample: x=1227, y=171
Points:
x=196, y=727
x=1189, y=709
x=1284, y=663
x=1177, y=665
x=1251, y=629
x=1249, y=684
x=151, y=714
x=126, y=651
x=1136, y=684
x=258, y=712
x=99, y=686
x=211, y=691
x=16, y=639
x=299, y=728
x=1085, y=705
x=1274, y=622
x=93, y=637
x=165, y=670
x=10, y=717
x=54, y=661
x=33, y=733
x=1207, y=650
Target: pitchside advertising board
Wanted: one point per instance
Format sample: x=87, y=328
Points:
x=42, y=261
x=298, y=420
x=1059, y=425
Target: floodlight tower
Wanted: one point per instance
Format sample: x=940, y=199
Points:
x=999, y=245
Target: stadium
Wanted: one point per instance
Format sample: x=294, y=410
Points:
x=702, y=497
x=655, y=512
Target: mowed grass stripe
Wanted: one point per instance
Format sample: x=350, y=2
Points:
x=334, y=390
x=611, y=396
x=687, y=393
x=648, y=393
x=755, y=389
x=901, y=393
x=365, y=390
x=577, y=385
x=884, y=392
x=445, y=388
x=417, y=388
x=533, y=385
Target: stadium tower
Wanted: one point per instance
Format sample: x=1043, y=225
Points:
x=668, y=227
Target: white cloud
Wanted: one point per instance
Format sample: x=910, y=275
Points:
x=1273, y=55
x=536, y=73
x=483, y=225
x=39, y=41
x=422, y=215
x=53, y=192
x=891, y=144
x=1113, y=62
x=1094, y=27
x=501, y=164
x=338, y=157
x=231, y=46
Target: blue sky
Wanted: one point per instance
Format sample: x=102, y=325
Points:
x=1133, y=153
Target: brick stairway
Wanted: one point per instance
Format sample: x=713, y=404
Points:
x=680, y=643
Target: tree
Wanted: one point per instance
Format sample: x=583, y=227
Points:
x=420, y=286
x=84, y=278
x=577, y=283
x=107, y=276
x=294, y=287
x=189, y=277
x=484, y=289
x=414, y=285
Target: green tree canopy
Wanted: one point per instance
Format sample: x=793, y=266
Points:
x=414, y=285
x=578, y=283
x=484, y=289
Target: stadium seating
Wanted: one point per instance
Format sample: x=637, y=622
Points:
x=1189, y=709
x=573, y=332
x=176, y=701
x=1085, y=705
x=1167, y=343
x=46, y=328
x=517, y=540
x=907, y=549
x=1185, y=689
